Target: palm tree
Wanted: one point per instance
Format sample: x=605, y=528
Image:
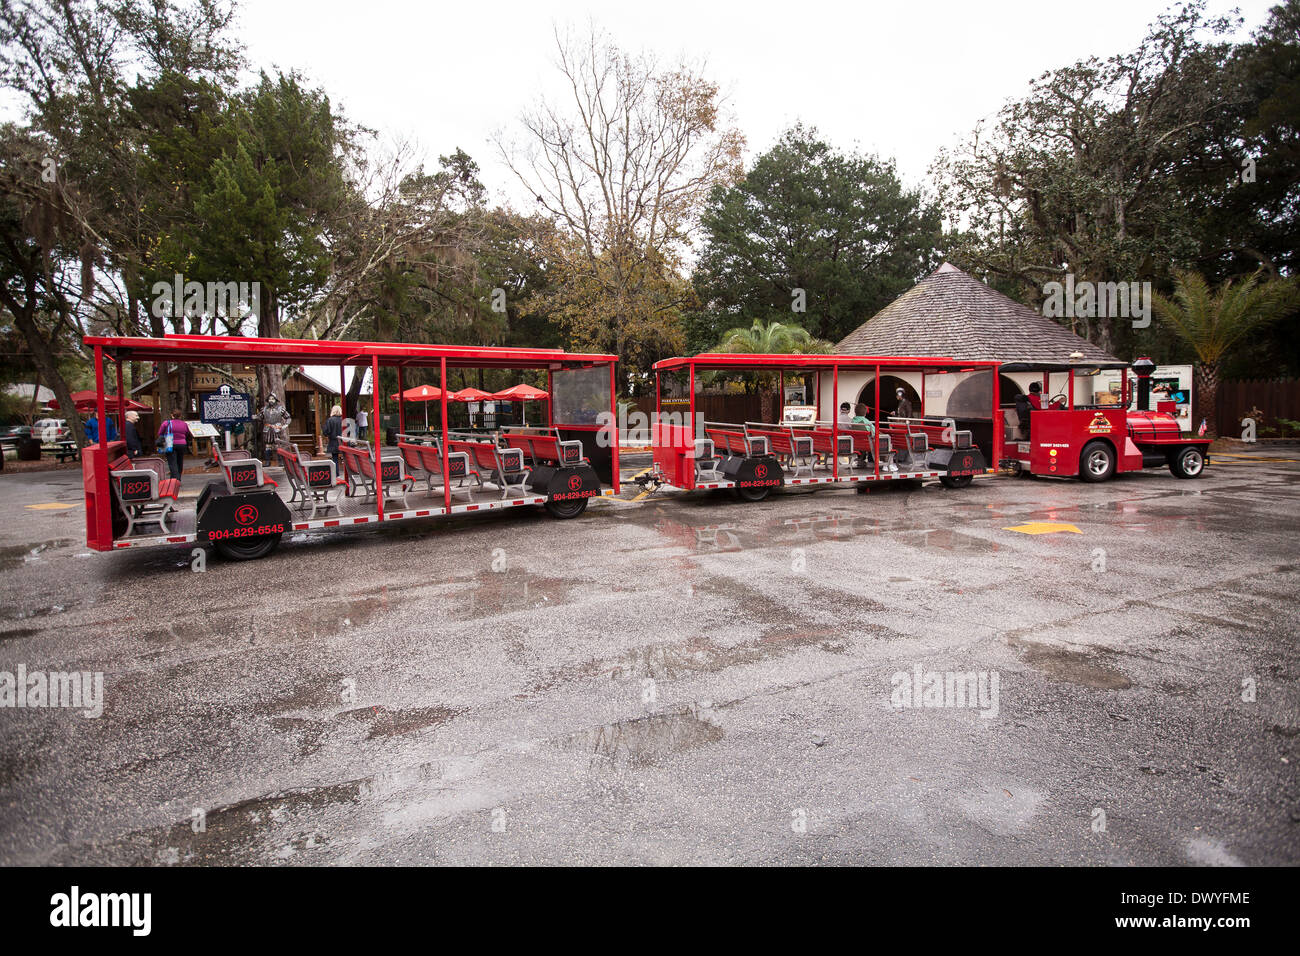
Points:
x=771, y=338
x=1213, y=321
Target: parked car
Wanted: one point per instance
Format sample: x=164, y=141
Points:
x=10, y=434
x=51, y=430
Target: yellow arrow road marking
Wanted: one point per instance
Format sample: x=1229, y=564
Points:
x=1044, y=527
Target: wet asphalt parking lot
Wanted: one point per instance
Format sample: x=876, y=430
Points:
x=681, y=679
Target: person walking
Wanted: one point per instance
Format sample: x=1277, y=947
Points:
x=173, y=439
x=134, y=447
x=362, y=421
x=332, y=431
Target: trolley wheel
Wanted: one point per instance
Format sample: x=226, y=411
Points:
x=956, y=481
x=567, y=509
x=751, y=493
x=248, y=549
x=1187, y=462
x=1097, y=463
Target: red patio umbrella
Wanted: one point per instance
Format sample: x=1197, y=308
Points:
x=470, y=395
x=421, y=393
x=522, y=393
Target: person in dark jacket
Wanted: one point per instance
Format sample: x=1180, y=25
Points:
x=133, y=446
x=92, y=429
x=332, y=431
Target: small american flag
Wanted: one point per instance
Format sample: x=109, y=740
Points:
x=1201, y=431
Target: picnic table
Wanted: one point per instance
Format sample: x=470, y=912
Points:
x=63, y=450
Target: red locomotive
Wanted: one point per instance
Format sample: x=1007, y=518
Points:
x=1099, y=436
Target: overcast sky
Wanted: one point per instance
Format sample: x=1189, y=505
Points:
x=899, y=79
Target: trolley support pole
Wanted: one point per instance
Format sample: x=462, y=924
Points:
x=613, y=408
x=446, y=477
x=780, y=396
x=691, y=433
x=103, y=496
x=654, y=419
x=995, y=420
x=121, y=407
x=343, y=392
x=550, y=399
x=877, y=435
x=374, y=401
x=401, y=403
x=835, y=421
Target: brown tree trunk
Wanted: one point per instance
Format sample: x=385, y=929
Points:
x=1205, y=404
x=270, y=378
x=47, y=364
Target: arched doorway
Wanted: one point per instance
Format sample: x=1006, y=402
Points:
x=1008, y=389
x=889, y=384
x=970, y=398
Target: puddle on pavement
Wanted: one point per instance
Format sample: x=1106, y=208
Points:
x=320, y=693
x=809, y=529
x=16, y=556
x=237, y=834
x=325, y=694
x=697, y=655
x=1075, y=667
x=491, y=592
x=644, y=741
x=326, y=616
x=944, y=540
x=36, y=612
x=730, y=536
x=384, y=722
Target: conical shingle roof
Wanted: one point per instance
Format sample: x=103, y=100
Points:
x=952, y=314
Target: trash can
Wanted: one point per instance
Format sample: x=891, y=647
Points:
x=29, y=449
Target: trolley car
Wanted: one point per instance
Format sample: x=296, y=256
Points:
x=947, y=433
x=244, y=511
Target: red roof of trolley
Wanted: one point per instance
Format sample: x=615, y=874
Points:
x=226, y=349
x=795, y=360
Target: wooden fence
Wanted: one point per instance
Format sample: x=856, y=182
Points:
x=1276, y=398
x=716, y=408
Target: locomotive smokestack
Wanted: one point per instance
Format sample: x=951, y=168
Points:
x=1143, y=368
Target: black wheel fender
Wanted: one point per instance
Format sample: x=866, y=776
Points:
x=248, y=549
x=563, y=510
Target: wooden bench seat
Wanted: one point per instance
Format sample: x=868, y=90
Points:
x=503, y=466
x=393, y=481
x=424, y=461
x=545, y=448
x=145, y=493
x=315, y=481
x=792, y=449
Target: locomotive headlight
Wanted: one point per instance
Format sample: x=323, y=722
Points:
x=1052, y=452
